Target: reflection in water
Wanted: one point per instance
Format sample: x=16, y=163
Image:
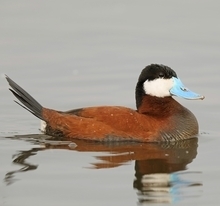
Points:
x=20, y=159
x=158, y=178
x=166, y=188
x=159, y=168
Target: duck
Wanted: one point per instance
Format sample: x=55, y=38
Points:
x=158, y=117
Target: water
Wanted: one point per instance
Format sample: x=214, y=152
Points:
x=73, y=54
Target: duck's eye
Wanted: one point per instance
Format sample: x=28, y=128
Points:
x=161, y=75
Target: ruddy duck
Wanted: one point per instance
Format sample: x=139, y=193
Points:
x=158, y=117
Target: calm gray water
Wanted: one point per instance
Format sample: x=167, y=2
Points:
x=70, y=54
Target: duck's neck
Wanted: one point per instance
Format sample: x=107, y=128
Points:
x=157, y=106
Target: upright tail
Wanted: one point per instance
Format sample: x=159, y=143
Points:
x=29, y=103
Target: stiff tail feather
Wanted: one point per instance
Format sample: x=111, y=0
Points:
x=28, y=102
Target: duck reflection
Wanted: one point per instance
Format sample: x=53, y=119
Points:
x=160, y=177
x=160, y=174
x=20, y=159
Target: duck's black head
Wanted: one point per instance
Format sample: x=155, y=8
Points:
x=156, y=71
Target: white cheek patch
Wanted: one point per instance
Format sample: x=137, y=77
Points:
x=158, y=87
